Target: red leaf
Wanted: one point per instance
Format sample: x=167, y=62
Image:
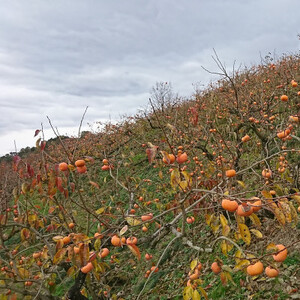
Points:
x=36, y=132
x=30, y=170
x=151, y=152
x=59, y=184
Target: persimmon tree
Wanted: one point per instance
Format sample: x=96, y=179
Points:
x=103, y=216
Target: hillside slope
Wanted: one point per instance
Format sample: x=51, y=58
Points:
x=237, y=139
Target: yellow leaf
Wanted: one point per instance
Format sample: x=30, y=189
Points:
x=175, y=178
x=240, y=220
x=24, y=188
x=194, y=263
x=196, y=295
x=57, y=238
x=100, y=210
x=293, y=211
x=133, y=221
x=226, y=247
x=97, y=244
x=215, y=224
x=23, y=273
x=226, y=230
x=208, y=218
x=160, y=174
x=266, y=194
x=297, y=198
x=241, y=183
x=238, y=254
x=223, y=220
x=257, y=233
x=271, y=247
x=279, y=215
x=123, y=230
x=203, y=292
x=226, y=193
x=245, y=233
x=187, y=293
x=241, y=264
x=255, y=220
x=286, y=211
x=187, y=182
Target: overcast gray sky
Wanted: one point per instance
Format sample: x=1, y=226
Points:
x=57, y=57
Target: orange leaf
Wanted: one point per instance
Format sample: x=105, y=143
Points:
x=58, y=257
x=96, y=185
x=135, y=250
x=25, y=234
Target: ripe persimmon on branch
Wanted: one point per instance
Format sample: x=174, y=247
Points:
x=206, y=195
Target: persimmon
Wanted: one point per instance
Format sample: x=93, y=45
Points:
x=267, y=173
x=105, y=168
x=98, y=235
x=216, y=268
x=189, y=220
x=255, y=203
x=63, y=166
x=271, y=272
x=245, y=138
x=116, y=241
x=284, y=98
x=71, y=225
x=230, y=173
x=82, y=169
x=105, y=161
x=87, y=268
x=182, y=158
x=148, y=256
x=294, y=83
x=147, y=217
x=170, y=160
x=104, y=252
x=195, y=275
x=255, y=269
x=154, y=269
x=230, y=205
x=294, y=119
x=244, y=210
x=80, y=163
x=282, y=255
x=36, y=255
x=131, y=240
x=144, y=228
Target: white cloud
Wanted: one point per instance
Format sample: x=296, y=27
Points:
x=58, y=58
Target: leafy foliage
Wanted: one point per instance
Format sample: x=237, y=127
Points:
x=144, y=196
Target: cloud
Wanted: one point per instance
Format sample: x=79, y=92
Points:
x=58, y=58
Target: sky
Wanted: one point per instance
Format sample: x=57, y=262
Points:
x=58, y=57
